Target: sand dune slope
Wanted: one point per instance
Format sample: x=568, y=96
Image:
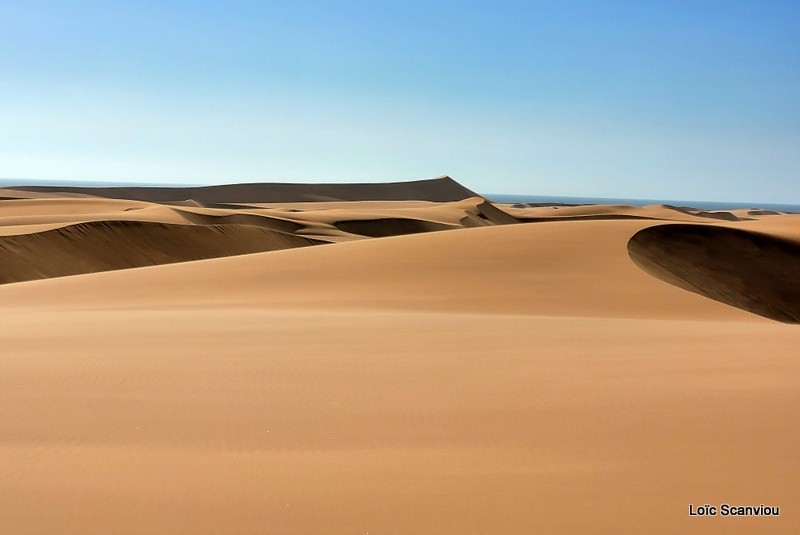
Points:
x=506, y=379
x=323, y=220
x=112, y=245
x=560, y=268
x=491, y=378
x=251, y=419
x=145, y=222
x=666, y=212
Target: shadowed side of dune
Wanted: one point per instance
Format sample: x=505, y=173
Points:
x=111, y=245
x=440, y=189
x=389, y=226
x=752, y=271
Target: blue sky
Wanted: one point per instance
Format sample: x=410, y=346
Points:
x=678, y=100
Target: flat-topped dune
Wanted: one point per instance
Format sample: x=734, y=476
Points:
x=461, y=372
x=440, y=189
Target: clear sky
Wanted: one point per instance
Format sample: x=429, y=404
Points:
x=673, y=99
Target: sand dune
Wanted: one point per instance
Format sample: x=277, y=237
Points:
x=571, y=268
x=722, y=215
x=318, y=223
x=49, y=206
x=539, y=212
x=244, y=218
x=389, y=226
x=104, y=246
x=489, y=377
x=749, y=270
x=440, y=189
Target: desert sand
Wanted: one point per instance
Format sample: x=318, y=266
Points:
x=403, y=358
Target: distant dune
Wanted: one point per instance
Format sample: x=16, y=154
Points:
x=440, y=189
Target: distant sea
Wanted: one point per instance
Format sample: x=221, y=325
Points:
x=702, y=205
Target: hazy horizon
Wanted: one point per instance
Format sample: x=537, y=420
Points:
x=495, y=196
x=587, y=99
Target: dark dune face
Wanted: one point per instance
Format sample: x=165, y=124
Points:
x=494, y=215
x=752, y=271
x=389, y=226
x=110, y=245
x=441, y=189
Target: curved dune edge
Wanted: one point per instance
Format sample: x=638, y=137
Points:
x=755, y=272
x=112, y=245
